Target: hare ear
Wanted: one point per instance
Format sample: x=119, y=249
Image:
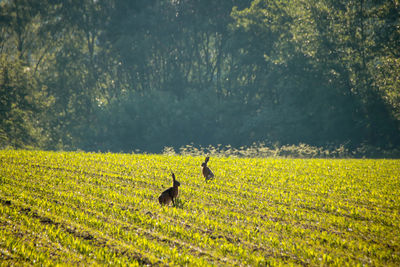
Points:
x=207, y=159
x=173, y=176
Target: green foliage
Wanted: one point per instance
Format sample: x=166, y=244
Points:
x=102, y=209
x=152, y=120
x=120, y=75
x=318, y=58
x=17, y=102
x=262, y=150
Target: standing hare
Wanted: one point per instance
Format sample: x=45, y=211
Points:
x=170, y=194
x=207, y=173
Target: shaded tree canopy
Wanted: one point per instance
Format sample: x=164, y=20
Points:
x=123, y=75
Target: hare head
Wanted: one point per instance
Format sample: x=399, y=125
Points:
x=175, y=182
x=204, y=164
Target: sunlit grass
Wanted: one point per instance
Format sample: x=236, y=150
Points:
x=88, y=208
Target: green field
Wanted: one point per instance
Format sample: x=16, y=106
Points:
x=90, y=208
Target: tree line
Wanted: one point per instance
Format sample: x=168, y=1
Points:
x=107, y=75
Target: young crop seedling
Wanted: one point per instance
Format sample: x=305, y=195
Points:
x=77, y=208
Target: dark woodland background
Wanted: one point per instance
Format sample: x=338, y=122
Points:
x=108, y=75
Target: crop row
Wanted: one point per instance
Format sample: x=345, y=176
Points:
x=85, y=208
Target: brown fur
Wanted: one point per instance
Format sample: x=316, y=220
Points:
x=170, y=194
x=207, y=173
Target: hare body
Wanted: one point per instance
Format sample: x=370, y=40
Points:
x=207, y=173
x=170, y=194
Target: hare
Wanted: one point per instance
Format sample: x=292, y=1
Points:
x=207, y=173
x=170, y=194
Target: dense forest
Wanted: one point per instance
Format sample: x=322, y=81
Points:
x=121, y=75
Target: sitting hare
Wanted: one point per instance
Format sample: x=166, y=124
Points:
x=170, y=194
x=207, y=173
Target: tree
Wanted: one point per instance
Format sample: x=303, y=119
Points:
x=320, y=51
